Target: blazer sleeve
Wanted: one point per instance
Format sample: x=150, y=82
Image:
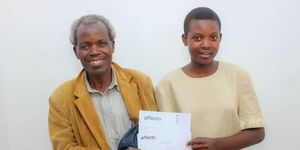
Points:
x=60, y=129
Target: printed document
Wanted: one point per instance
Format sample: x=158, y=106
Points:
x=164, y=130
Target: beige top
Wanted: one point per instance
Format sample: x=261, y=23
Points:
x=221, y=104
x=112, y=111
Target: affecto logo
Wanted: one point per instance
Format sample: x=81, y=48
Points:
x=148, y=137
x=152, y=118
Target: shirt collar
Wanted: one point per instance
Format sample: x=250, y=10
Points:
x=111, y=86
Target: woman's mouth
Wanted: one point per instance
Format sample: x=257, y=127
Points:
x=205, y=54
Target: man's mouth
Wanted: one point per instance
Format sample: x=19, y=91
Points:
x=96, y=62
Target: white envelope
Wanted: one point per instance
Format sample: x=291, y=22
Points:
x=164, y=130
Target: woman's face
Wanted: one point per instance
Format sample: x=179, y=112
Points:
x=203, y=40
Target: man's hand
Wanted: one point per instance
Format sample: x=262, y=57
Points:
x=131, y=148
x=203, y=143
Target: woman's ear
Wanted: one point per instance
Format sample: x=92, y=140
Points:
x=184, y=39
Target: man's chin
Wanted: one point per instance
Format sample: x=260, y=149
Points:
x=97, y=72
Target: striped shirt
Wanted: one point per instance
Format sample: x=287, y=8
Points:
x=112, y=112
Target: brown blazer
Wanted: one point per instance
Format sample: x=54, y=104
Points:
x=73, y=121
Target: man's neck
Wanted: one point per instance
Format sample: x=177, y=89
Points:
x=100, y=82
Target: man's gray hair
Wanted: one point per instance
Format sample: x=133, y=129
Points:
x=91, y=19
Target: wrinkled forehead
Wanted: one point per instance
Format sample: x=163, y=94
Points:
x=92, y=27
x=95, y=31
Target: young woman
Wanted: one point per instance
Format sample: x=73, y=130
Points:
x=220, y=95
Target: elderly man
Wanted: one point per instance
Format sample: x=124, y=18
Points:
x=94, y=110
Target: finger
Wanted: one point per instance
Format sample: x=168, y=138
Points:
x=197, y=141
x=199, y=146
x=201, y=149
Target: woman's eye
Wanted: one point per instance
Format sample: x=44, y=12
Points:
x=197, y=38
x=213, y=38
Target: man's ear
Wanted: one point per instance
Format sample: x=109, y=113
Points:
x=220, y=36
x=113, y=46
x=184, y=39
x=75, y=52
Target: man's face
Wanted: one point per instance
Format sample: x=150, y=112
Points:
x=203, y=41
x=94, y=48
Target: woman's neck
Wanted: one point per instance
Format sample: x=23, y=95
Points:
x=199, y=70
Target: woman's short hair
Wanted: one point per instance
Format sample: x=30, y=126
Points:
x=91, y=19
x=200, y=13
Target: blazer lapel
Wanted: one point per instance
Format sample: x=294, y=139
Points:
x=88, y=112
x=131, y=99
x=129, y=92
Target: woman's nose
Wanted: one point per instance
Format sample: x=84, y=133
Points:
x=206, y=44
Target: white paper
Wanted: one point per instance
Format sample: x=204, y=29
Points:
x=164, y=130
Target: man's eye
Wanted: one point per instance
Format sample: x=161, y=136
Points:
x=84, y=47
x=102, y=44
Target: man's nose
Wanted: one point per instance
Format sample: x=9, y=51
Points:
x=95, y=49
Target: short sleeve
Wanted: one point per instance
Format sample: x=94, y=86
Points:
x=165, y=97
x=249, y=111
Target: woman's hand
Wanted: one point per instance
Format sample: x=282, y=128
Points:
x=240, y=140
x=203, y=143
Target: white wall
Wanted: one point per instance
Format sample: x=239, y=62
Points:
x=36, y=56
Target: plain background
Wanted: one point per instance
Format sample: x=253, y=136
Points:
x=36, y=56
